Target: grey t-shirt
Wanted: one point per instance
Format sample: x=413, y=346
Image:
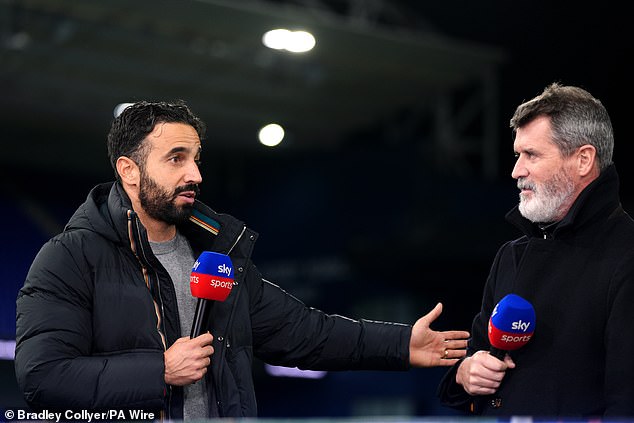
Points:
x=177, y=257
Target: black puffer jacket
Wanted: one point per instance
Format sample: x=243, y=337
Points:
x=97, y=311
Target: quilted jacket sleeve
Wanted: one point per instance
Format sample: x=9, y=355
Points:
x=54, y=362
x=289, y=333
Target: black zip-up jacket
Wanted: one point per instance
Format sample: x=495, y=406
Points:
x=579, y=277
x=98, y=310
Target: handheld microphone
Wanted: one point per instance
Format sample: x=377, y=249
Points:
x=511, y=325
x=211, y=280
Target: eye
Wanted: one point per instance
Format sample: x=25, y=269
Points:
x=527, y=154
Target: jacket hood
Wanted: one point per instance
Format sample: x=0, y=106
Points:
x=601, y=196
x=95, y=214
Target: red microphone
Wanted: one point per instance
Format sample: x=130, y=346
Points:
x=211, y=280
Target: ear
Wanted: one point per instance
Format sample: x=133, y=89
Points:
x=586, y=160
x=128, y=170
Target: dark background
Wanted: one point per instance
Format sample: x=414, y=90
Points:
x=380, y=215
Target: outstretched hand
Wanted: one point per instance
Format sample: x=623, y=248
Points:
x=428, y=348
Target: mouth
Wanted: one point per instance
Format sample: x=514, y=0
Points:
x=187, y=196
x=525, y=187
x=526, y=194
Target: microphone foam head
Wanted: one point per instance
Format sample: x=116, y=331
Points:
x=212, y=276
x=512, y=323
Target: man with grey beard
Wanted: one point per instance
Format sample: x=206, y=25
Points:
x=574, y=264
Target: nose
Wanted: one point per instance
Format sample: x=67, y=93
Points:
x=193, y=175
x=519, y=170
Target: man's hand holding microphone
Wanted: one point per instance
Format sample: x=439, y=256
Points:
x=187, y=360
x=511, y=326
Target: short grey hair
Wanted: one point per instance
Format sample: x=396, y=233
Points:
x=576, y=117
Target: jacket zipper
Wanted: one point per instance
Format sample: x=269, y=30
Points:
x=219, y=403
x=164, y=337
x=244, y=228
x=134, y=240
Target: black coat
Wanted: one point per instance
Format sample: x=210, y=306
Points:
x=97, y=311
x=580, y=280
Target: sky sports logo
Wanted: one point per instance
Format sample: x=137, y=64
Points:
x=519, y=325
x=213, y=282
x=512, y=323
x=517, y=334
x=513, y=339
x=223, y=269
x=212, y=276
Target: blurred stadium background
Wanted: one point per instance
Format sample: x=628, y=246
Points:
x=389, y=189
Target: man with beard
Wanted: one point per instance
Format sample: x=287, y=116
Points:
x=574, y=264
x=105, y=312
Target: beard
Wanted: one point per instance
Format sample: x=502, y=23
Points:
x=159, y=204
x=549, y=200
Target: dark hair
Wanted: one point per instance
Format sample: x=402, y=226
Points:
x=576, y=117
x=129, y=130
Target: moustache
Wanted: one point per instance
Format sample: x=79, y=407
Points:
x=186, y=188
x=524, y=184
